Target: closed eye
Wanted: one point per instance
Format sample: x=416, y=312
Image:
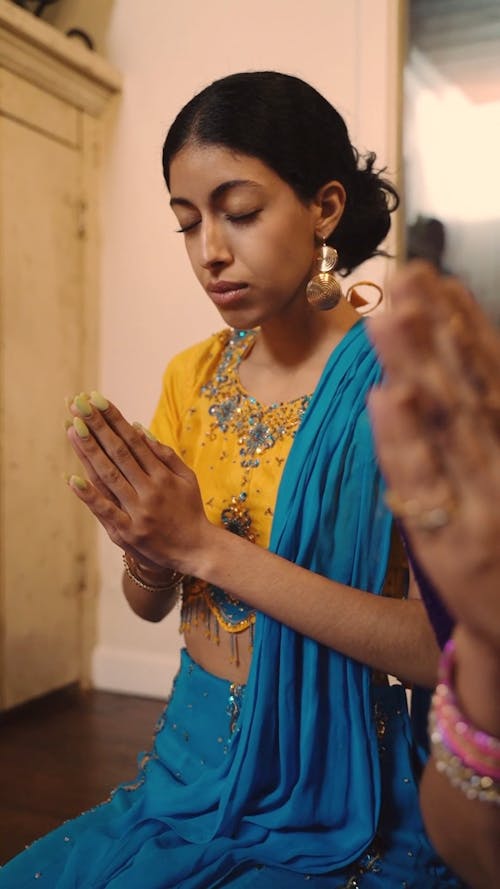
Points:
x=187, y=228
x=242, y=218
x=236, y=218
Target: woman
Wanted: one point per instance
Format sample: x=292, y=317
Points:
x=438, y=437
x=278, y=759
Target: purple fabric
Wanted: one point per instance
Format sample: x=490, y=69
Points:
x=440, y=618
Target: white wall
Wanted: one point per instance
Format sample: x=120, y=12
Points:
x=151, y=304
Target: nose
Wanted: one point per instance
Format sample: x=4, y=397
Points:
x=215, y=250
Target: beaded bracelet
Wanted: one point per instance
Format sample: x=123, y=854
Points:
x=469, y=757
x=466, y=779
x=131, y=567
x=462, y=737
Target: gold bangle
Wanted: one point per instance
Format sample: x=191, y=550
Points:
x=131, y=568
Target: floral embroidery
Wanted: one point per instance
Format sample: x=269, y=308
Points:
x=257, y=427
x=236, y=417
x=237, y=519
x=224, y=412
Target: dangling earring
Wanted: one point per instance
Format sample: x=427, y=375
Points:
x=358, y=302
x=323, y=291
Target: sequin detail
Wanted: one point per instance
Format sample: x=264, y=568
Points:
x=203, y=601
x=257, y=428
x=234, y=706
x=369, y=863
x=146, y=757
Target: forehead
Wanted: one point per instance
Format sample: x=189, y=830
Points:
x=199, y=170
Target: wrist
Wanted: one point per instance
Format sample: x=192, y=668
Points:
x=477, y=678
x=160, y=580
x=466, y=754
x=206, y=554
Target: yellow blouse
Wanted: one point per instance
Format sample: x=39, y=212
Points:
x=236, y=446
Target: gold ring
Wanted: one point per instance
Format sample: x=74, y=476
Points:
x=431, y=519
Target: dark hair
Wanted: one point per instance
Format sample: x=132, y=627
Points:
x=288, y=125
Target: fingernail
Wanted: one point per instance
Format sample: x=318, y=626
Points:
x=99, y=401
x=76, y=481
x=144, y=429
x=82, y=405
x=66, y=476
x=68, y=424
x=81, y=428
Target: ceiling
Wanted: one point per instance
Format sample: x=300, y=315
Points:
x=461, y=38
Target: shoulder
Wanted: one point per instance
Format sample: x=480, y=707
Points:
x=195, y=363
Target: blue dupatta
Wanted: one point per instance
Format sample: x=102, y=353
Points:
x=308, y=749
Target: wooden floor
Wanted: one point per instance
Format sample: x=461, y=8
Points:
x=63, y=755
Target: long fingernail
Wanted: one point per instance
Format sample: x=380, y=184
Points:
x=82, y=405
x=81, y=428
x=68, y=424
x=99, y=401
x=76, y=481
x=144, y=429
x=66, y=476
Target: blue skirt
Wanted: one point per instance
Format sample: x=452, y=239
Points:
x=120, y=844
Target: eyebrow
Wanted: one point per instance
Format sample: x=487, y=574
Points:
x=218, y=192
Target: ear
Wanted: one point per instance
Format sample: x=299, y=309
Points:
x=329, y=202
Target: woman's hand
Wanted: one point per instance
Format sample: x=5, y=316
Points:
x=144, y=496
x=437, y=428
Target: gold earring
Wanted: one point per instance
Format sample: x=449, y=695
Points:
x=323, y=290
x=358, y=302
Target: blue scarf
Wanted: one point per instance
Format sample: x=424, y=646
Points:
x=308, y=749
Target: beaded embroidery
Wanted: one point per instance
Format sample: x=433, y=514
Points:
x=256, y=428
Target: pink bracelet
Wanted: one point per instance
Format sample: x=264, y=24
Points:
x=468, y=756
x=474, y=745
x=475, y=752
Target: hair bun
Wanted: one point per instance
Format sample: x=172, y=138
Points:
x=366, y=219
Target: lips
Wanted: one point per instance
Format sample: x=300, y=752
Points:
x=224, y=293
x=225, y=286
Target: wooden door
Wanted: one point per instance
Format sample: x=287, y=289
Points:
x=42, y=557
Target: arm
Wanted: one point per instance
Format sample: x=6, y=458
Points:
x=156, y=515
x=390, y=635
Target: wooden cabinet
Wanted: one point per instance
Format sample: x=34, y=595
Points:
x=53, y=93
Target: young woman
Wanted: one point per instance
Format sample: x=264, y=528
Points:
x=283, y=756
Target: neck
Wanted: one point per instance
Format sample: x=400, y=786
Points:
x=301, y=332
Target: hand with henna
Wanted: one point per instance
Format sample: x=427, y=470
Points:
x=143, y=495
x=437, y=426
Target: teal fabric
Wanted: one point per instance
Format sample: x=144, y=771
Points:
x=297, y=789
x=315, y=708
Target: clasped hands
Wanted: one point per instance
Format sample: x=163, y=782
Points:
x=437, y=427
x=141, y=492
